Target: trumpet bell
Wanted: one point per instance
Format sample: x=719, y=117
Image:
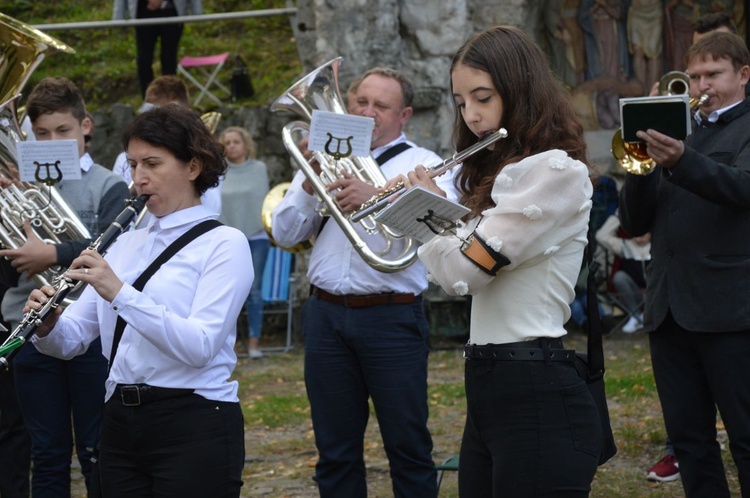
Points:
x=674, y=83
x=631, y=156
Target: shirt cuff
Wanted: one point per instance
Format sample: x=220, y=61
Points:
x=123, y=298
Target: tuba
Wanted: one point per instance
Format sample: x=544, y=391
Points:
x=22, y=48
x=632, y=156
x=319, y=90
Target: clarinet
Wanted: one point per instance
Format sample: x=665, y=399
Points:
x=64, y=285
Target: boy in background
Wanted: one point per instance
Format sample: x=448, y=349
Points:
x=50, y=390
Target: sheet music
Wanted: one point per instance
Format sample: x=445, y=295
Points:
x=50, y=159
x=419, y=209
x=331, y=132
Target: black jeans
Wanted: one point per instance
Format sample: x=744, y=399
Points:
x=532, y=430
x=186, y=447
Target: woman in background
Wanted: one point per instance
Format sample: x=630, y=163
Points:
x=243, y=190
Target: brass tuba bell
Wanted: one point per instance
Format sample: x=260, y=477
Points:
x=22, y=48
x=632, y=156
x=270, y=201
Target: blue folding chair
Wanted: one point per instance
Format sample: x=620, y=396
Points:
x=278, y=289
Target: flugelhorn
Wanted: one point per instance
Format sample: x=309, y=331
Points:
x=63, y=285
x=632, y=156
x=378, y=202
x=22, y=48
x=319, y=90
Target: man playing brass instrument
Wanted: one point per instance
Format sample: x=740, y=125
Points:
x=696, y=204
x=365, y=332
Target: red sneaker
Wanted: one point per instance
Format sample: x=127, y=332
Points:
x=666, y=470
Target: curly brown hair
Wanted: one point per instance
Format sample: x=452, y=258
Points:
x=537, y=111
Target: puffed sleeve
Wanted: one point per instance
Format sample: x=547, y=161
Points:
x=542, y=203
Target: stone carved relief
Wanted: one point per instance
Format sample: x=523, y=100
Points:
x=607, y=49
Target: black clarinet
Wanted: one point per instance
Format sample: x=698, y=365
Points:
x=64, y=285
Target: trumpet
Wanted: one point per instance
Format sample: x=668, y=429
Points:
x=632, y=156
x=376, y=203
x=64, y=285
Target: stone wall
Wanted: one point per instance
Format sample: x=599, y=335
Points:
x=419, y=37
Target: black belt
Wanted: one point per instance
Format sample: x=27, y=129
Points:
x=141, y=394
x=543, y=349
x=363, y=300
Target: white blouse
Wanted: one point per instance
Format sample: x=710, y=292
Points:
x=539, y=222
x=182, y=327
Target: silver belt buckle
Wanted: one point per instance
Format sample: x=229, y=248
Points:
x=126, y=395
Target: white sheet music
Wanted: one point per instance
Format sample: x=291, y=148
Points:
x=53, y=159
x=331, y=132
x=417, y=209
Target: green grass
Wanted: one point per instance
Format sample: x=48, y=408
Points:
x=104, y=63
x=276, y=410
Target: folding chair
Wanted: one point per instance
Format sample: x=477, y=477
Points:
x=199, y=64
x=619, y=300
x=279, y=288
x=450, y=464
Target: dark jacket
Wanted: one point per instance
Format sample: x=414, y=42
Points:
x=698, y=214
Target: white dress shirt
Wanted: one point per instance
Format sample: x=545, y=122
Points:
x=335, y=266
x=539, y=222
x=181, y=329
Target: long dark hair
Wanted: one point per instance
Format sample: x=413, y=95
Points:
x=537, y=111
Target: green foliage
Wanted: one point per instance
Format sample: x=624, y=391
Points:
x=104, y=63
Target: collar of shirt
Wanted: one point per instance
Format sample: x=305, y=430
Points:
x=179, y=218
x=714, y=116
x=379, y=150
x=86, y=162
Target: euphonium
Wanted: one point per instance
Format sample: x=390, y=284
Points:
x=22, y=48
x=319, y=90
x=632, y=156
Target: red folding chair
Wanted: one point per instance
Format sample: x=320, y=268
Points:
x=200, y=65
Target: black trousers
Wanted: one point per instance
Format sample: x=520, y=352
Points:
x=146, y=38
x=696, y=373
x=15, y=445
x=186, y=447
x=532, y=430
